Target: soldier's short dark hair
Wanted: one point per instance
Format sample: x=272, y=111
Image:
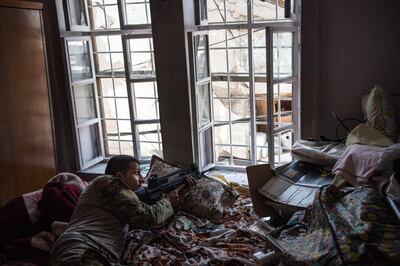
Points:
x=119, y=163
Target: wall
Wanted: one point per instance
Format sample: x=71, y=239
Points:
x=347, y=47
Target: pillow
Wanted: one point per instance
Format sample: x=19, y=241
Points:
x=208, y=199
x=380, y=113
x=160, y=167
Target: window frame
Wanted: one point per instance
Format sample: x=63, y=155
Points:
x=93, y=121
x=198, y=130
x=131, y=95
x=278, y=25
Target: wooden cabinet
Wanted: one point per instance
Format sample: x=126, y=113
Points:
x=27, y=158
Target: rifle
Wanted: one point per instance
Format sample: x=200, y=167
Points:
x=164, y=184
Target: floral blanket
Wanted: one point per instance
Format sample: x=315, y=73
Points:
x=340, y=228
x=194, y=241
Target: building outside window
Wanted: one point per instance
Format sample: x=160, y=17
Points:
x=245, y=80
x=253, y=59
x=124, y=99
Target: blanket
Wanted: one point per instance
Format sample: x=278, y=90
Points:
x=26, y=222
x=189, y=240
x=340, y=228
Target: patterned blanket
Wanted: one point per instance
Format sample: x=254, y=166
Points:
x=352, y=228
x=193, y=241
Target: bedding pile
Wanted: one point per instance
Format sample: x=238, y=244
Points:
x=340, y=228
x=190, y=240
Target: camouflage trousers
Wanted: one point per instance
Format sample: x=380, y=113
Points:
x=76, y=249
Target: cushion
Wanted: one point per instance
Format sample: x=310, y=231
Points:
x=208, y=199
x=380, y=113
x=160, y=167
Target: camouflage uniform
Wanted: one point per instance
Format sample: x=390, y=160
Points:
x=106, y=211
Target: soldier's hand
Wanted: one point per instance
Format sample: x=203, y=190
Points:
x=190, y=182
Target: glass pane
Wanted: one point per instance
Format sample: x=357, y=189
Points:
x=217, y=38
x=260, y=61
x=90, y=143
x=259, y=52
x=260, y=88
x=223, y=154
x=149, y=132
x=149, y=149
x=206, y=148
x=218, y=61
x=259, y=38
x=138, y=13
x=146, y=109
x=110, y=129
x=282, y=43
x=222, y=134
x=79, y=59
x=200, y=48
x=100, y=44
x=283, y=104
x=215, y=11
x=115, y=43
x=105, y=87
x=112, y=148
x=281, y=9
x=239, y=89
x=238, y=61
x=241, y=134
x=261, y=107
x=283, y=142
x=220, y=88
x=103, y=63
x=108, y=108
x=85, y=106
x=202, y=10
x=236, y=10
x=264, y=10
x=99, y=19
x=120, y=87
x=125, y=130
x=141, y=58
x=123, y=108
x=240, y=153
x=237, y=38
x=262, y=146
x=203, y=104
x=144, y=89
x=77, y=13
x=240, y=110
x=117, y=60
x=112, y=17
x=126, y=148
x=221, y=109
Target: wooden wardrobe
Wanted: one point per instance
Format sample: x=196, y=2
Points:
x=27, y=152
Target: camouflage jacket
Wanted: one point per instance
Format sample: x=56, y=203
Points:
x=106, y=211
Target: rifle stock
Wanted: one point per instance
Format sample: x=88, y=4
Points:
x=157, y=186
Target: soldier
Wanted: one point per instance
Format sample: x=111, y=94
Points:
x=107, y=209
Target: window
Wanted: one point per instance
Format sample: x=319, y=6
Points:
x=113, y=82
x=85, y=104
x=253, y=58
x=244, y=58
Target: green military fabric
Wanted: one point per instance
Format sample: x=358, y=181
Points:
x=106, y=211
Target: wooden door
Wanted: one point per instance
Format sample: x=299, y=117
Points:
x=27, y=158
